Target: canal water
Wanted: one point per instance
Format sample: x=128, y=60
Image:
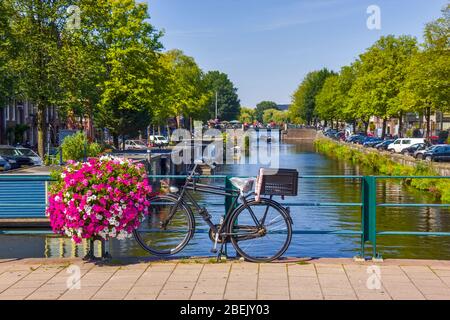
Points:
x=301, y=156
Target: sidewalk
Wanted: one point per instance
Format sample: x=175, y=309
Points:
x=201, y=280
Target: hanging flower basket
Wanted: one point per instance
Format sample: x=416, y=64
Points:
x=103, y=198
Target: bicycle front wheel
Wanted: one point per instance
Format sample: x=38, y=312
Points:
x=260, y=231
x=168, y=227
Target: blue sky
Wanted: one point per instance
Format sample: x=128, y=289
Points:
x=267, y=46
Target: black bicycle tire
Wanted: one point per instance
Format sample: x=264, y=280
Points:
x=286, y=217
x=182, y=244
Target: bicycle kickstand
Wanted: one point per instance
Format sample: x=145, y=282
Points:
x=222, y=251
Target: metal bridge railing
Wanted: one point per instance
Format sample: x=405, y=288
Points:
x=32, y=204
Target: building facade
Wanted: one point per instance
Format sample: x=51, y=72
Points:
x=438, y=122
x=18, y=123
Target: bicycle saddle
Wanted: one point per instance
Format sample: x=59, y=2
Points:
x=245, y=185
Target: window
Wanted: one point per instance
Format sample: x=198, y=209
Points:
x=397, y=142
x=7, y=113
x=406, y=142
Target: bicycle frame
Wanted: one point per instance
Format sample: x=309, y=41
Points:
x=192, y=185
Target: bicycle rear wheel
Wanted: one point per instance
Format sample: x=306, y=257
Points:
x=266, y=240
x=161, y=234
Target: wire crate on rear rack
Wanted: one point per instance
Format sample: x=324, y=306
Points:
x=278, y=182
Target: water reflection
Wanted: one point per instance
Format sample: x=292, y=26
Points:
x=303, y=157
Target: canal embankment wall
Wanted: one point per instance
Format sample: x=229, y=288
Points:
x=299, y=134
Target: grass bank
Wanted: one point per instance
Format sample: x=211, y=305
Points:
x=383, y=165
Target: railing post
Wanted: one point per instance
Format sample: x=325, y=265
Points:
x=369, y=218
x=228, y=199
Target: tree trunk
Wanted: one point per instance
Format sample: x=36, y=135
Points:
x=400, y=125
x=428, y=118
x=366, y=126
x=116, y=140
x=383, y=133
x=41, y=129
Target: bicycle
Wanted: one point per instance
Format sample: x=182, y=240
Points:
x=248, y=226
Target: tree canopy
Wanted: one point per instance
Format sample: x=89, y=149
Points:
x=263, y=106
x=304, y=98
x=228, y=104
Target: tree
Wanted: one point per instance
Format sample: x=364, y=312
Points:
x=427, y=84
x=186, y=94
x=6, y=50
x=37, y=28
x=228, y=104
x=261, y=107
x=247, y=115
x=81, y=65
x=275, y=115
x=304, y=98
x=380, y=75
x=129, y=47
x=328, y=101
x=437, y=33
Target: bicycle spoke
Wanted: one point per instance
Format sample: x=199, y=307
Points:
x=167, y=229
x=270, y=240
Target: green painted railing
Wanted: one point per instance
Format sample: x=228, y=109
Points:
x=368, y=204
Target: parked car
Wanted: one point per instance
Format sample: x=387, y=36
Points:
x=14, y=157
x=440, y=153
x=159, y=141
x=330, y=133
x=37, y=161
x=370, y=142
x=4, y=165
x=384, y=144
x=135, y=145
x=403, y=143
x=419, y=153
x=410, y=151
x=359, y=139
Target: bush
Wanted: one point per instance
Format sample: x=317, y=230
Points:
x=73, y=148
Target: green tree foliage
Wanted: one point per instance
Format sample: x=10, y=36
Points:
x=247, y=115
x=186, y=94
x=228, y=104
x=37, y=28
x=328, y=100
x=263, y=106
x=131, y=46
x=275, y=115
x=380, y=76
x=304, y=98
x=427, y=84
x=6, y=51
